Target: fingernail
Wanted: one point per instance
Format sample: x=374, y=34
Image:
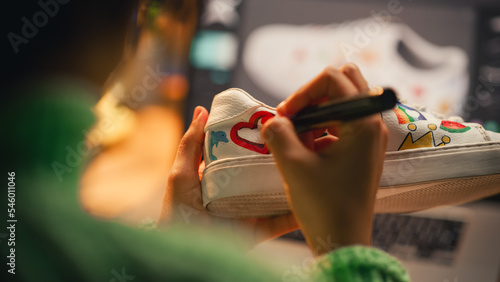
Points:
x=278, y=125
x=273, y=125
x=281, y=109
x=196, y=113
x=269, y=121
x=265, y=129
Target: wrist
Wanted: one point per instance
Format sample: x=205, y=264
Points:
x=339, y=228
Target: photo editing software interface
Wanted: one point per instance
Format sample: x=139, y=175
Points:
x=442, y=55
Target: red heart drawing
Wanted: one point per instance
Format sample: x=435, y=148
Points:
x=252, y=124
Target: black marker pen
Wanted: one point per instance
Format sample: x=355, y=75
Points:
x=331, y=112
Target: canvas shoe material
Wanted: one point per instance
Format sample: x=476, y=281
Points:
x=429, y=161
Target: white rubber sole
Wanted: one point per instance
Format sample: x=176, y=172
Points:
x=429, y=164
x=251, y=186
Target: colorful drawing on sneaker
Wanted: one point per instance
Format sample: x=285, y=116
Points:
x=253, y=123
x=406, y=114
x=453, y=127
x=215, y=138
x=425, y=141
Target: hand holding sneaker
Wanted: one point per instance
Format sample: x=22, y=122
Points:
x=331, y=181
x=183, y=200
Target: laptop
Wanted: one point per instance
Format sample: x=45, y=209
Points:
x=444, y=244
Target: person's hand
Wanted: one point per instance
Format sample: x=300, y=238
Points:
x=183, y=200
x=331, y=181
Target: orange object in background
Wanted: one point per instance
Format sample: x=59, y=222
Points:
x=128, y=179
x=142, y=111
x=175, y=87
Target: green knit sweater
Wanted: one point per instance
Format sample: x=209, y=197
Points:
x=43, y=140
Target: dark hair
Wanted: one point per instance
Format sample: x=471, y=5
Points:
x=44, y=35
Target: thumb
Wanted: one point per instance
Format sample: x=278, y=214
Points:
x=281, y=139
x=190, y=148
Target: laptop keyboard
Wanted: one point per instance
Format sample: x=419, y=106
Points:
x=430, y=240
x=407, y=237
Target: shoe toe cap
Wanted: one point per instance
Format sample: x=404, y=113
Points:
x=494, y=136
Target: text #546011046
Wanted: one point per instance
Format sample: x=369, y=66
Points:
x=11, y=222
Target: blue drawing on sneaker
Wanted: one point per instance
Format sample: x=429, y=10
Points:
x=215, y=138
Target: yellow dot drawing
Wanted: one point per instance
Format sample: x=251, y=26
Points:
x=432, y=126
x=446, y=139
x=412, y=127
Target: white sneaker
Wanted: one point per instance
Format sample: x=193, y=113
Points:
x=429, y=161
